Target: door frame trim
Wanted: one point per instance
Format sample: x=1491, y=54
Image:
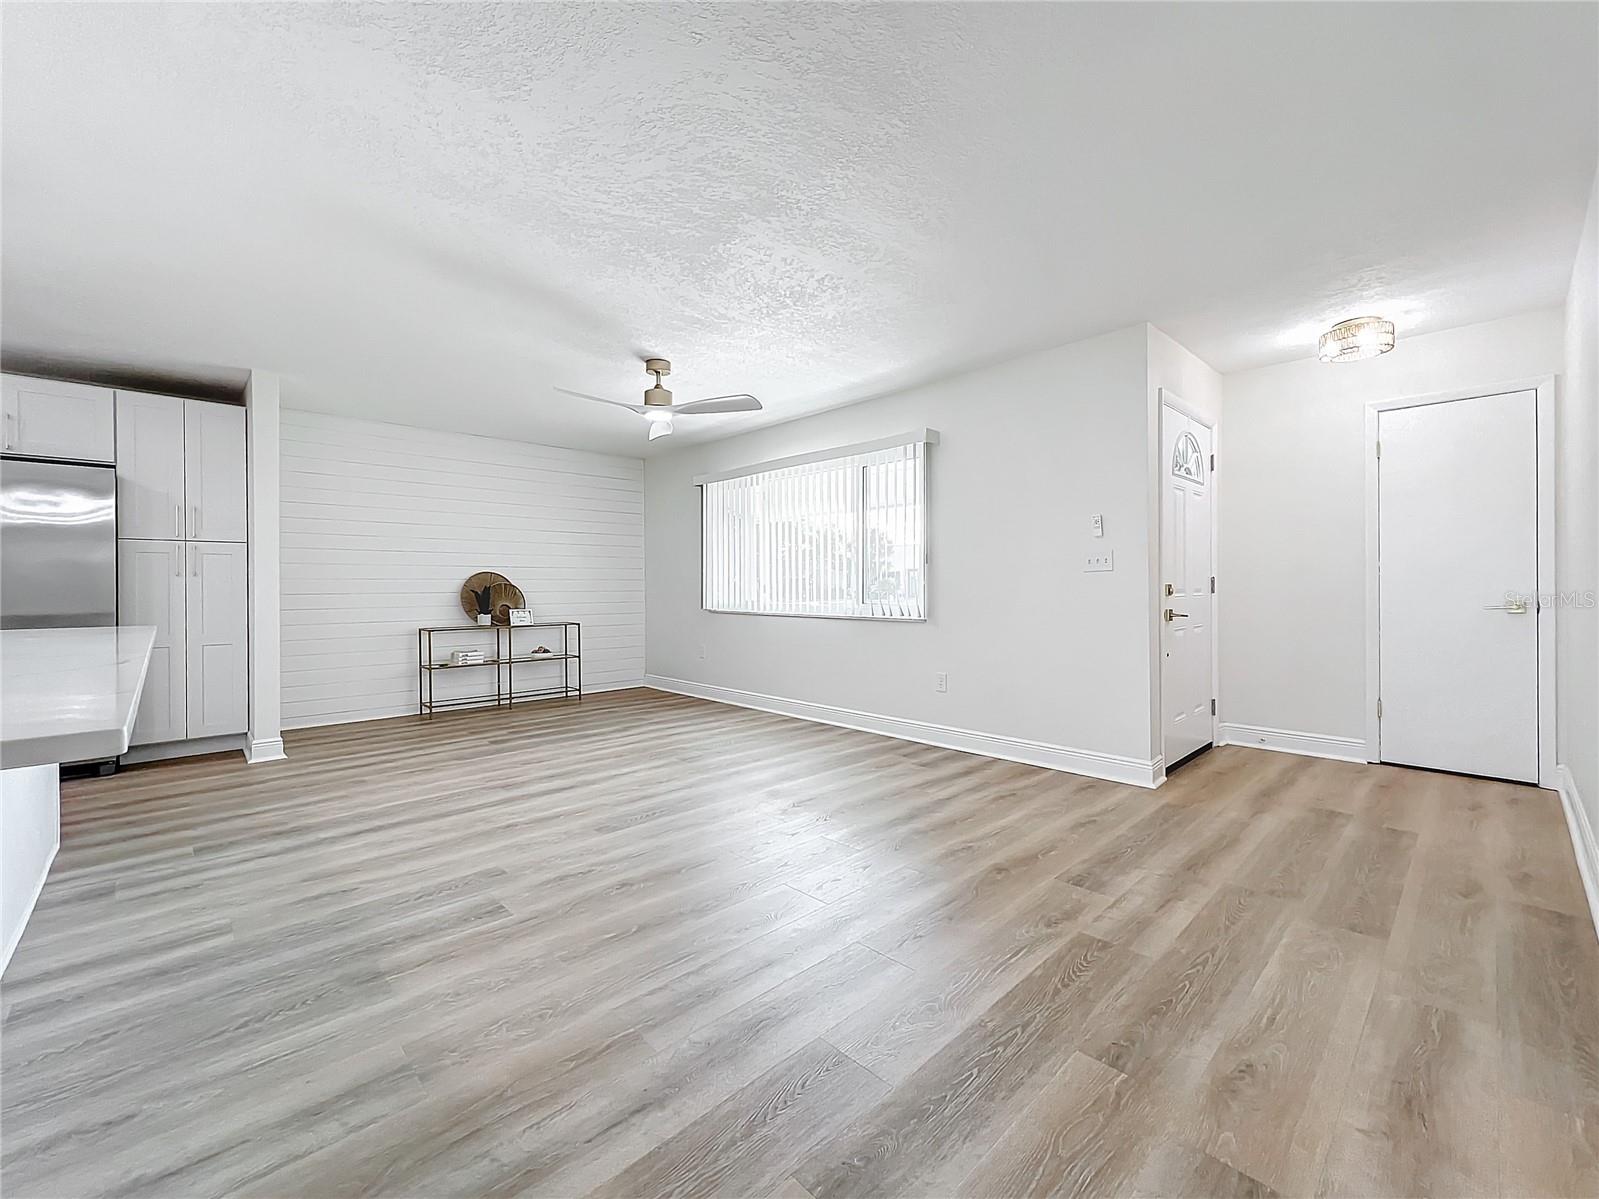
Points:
x=1544, y=387
x=1165, y=397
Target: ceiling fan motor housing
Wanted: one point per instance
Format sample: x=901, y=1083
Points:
x=657, y=395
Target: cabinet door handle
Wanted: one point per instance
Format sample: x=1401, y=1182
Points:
x=11, y=428
x=194, y=561
x=194, y=520
x=177, y=519
x=177, y=562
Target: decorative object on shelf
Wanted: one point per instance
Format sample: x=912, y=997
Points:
x=502, y=598
x=1357, y=338
x=520, y=616
x=488, y=597
x=475, y=594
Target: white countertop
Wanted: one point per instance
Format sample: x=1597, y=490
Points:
x=70, y=695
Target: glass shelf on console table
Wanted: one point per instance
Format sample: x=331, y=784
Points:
x=504, y=658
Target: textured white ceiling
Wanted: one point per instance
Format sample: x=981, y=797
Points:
x=433, y=213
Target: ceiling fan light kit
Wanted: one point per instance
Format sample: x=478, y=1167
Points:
x=658, y=408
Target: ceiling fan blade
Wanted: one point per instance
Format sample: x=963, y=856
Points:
x=738, y=403
x=660, y=428
x=601, y=399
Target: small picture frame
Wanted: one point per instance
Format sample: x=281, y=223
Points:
x=521, y=615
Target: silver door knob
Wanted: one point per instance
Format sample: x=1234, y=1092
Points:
x=1170, y=615
x=1514, y=607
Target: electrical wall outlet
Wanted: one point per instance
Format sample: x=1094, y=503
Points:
x=941, y=682
x=1096, y=562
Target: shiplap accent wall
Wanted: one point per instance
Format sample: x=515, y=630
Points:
x=382, y=524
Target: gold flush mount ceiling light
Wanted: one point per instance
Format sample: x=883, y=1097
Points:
x=1360, y=337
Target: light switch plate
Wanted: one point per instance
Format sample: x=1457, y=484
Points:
x=1099, y=562
x=1096, y=524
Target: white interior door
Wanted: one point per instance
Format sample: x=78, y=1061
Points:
x=1457, y=578
x=152, y=588
x=1186, y=680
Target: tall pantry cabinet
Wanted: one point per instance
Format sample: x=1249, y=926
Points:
x=181, y=561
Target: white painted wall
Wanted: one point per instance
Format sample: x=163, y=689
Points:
x=382, y=523
x=30, y=834
x=1577, y=398
x=1035, y=649
x=1292, y=513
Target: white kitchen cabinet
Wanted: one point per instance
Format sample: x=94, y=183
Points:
x=150, y=466
x=194, y=593
x=180, y=468
x=41, y=418
x=153, y=589
x=218, y=643
x=213, y=471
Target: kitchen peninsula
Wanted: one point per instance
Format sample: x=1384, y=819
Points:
x=66, y=695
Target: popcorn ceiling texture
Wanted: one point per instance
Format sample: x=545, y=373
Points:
x=431, y=214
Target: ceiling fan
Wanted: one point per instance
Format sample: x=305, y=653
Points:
x=658, y=408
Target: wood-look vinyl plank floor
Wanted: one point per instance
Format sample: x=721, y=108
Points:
x=645, y=945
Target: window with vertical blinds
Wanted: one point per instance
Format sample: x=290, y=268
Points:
x=842, y=535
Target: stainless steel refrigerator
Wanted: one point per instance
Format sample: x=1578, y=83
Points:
x=58, y=544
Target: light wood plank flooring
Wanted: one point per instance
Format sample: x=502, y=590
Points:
x=644, y=945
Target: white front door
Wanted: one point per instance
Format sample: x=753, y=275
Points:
x=1187, y=495
x=1457, y=577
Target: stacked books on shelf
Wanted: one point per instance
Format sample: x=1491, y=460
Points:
x=467, y=657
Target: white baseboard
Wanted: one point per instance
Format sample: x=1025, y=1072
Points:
x=1311, y=745
x=267, y=749
x=1582, y=839
x=1113, y=767
x=408, y=708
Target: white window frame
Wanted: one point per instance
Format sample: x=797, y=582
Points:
x=925, y=437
